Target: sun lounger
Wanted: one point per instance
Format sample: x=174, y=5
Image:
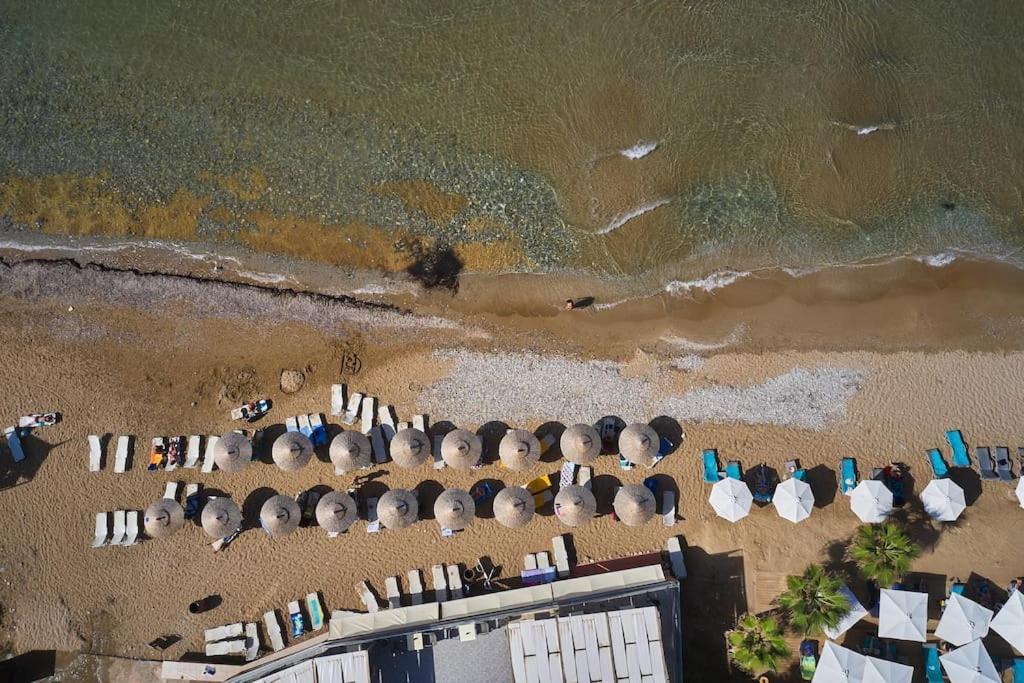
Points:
x=439, y=583
x=117, y=537
x=455, y=581
x=368, y=409
x=372, y=522
x=1018, y=670
x=539, y=484
x=319, y=436
x=711, y=471
x=762, y=488
x=985, y=463
x=438, y=460
x=415, y=587
x=305, y=426
x=380, y=452
x=337, y=399
x=1003, y=463
x=193, y=450
x=291, y=424
x=297, y=623
x=171, y=490
x=386, y=419
x=675, y=557
x=315, y=611
x=402, y=426
x=131, y=527
x=561, y=555
x=668, y=508
x=733, y=470
x=529, y=561
x=366, y=595
x=420, y=422
x=543, y=498
x=355, y=402
x=584, y=475
x=100, y=537
x=956, y=442
x=939, y=468
x=273, y=629
x=542, y=560
x=95, y=453
x=225, y=647
x=393, y=592
x=211, y=442
x=124, y=444
x=211, y=635
x=546, y=442
x=567, y=475
x=932, y=668
x=252, y=642
x=847, y=475
x=14, y=444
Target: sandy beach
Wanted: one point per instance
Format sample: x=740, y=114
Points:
x=122, y=353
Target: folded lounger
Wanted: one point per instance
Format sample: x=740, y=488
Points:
x=14, y=444
x=121, y=454
x=95, y=453
x=225, y=647
x=131, y=527
x=675, y=557
x=393, y=592
x=380, y=452
x=455, y=581
x=762, y=489
x=372, y=522
x=847, y=475
x=305, y=426
x=337, y=399
x=369, y=601
x=668, y=508
x=368, y=408
x=273, y=630
x=101, y=530
x=711, y=472
x=315, y=611
x=438, y=460
x=211, y=442
x=415, y=587
x=420, y=422
x=352, y=410
x=956, y=442
x=733, y=470
x=298, y=624
x=567, y=475
x=386, y=419
x=193, y=450
x=985, y=463
x=223, y=632
x=117, y=538
x=583, y=476
x=1003, y=463
x=542, y=560
x=252, y=642
x=529, y=561
x=795, y=471
x=561, y=555
x=171, y=490
x=439, y=582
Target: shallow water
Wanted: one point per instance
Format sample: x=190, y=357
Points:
x=658, y=138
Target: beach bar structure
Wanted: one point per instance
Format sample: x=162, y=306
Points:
x=597, y=625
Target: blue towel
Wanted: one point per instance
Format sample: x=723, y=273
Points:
x=847, y=475
x=932, y=668
x=956, y=442
x=711, y=466
x=732, y=470
x=939, y=468
x=800, y=474
x=1018, y=671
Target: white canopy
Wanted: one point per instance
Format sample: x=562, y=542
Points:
x=970, y=664
x=1009, y=623
x=793, y=500
x=856, y=613
x=903, y=615
x=943, y=500
x=839, y=665
x=883, y=671
x=962, y=621
x=731, y=499
x=1020, y=491
x=871, y=501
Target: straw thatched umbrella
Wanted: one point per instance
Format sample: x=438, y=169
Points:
x=634, y=504
x=454, y=509
x=513, y=507
x=398, y=509
x=581, y=444
x=336, y=511
x=221, y=517
x=232, y=452
x=350, y=451
x=639, y=444
x=519, y=449
x=163, y=518
x=410, y=448
x=280, y=516
x=575, y=505
x=292, y=451
x=461, y=449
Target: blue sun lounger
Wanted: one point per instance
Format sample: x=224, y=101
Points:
x=939, y=467
x=932, y=668
x=985, y=463
x=847, y=475
x=711, y=473
x=732, y=470
x=1018, y=671
x=956, y=442
x=14, y=444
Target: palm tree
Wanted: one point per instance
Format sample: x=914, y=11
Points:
x=813, y=601
x=883, y=552
x=756, y=644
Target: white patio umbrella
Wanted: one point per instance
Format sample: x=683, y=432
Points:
x=731, y=499
x=943, y=500
x=856, y=613
x=1009, y=622
x=883, y=671
x=793, y=500
x=963, y=620
x=839, y=665
x=903, y=615
x=1020, y=491
x=871, y=501
x=970, y=664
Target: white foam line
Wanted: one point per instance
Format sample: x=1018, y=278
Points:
x=630, y=215
x=639, y=150
x=710, y=283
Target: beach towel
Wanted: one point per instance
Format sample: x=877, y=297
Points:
x=733, y=470
x=319, y=433
x=956, y=442
x=316, y=612
x=847, y=475
x=298, y=624
x=711, y=471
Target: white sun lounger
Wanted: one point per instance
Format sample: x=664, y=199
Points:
x=415, y=587
x=315, y=611
x=402, y=426
x=225, y=647
x=675, y=557
x=529, y=562
x=393, y=591
x=131, y=527
x=455, y=581
x=542, y=560
x=386, y=418
x=366, y=595
x=420, y=422
x=369, y=406
x=372, y=523
x=561, y=556
x=337, y=399
x=191, y=490
x=380, y=453
x=223, y=632
x=583, y=477
x=193, y=450
x=355, y=401
x=252, y=642
x=211, y=442
x=668, y=508
x=273, y=630
x=117, y=537
x=101, y=530
x=124, y=444
x=440, y=583
x=438, y=460
x=95, y=453
x=171, y=490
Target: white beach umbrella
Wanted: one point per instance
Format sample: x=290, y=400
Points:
x=883, y=671
x=963, y=620
x=943, y=500
x=970, y=664
x=903, y=615
x=731, y=499
x=292, y=451
x=839, y=665
x=1009, y=623
x=398, y=509
x=856, y=613
x=871, y=501
x=1020, y=491
x=793, y=500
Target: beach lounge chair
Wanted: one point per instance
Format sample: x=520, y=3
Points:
x=319, y=431
x=95, y=453
x=273, y=629
x=733, y=470
x=380, y=453
x=367, y=596
x=193, y=451
x=985, y=463
x=315, y=611
x=298, y=624
x=225, y=647
x=847, y=475
x=762, y=488
x=394, y=593
x=583, y=476
x=415, y=587
x=291, y=424
x=794, y=470
x=668, y=508
x=438, y=460
x=542, y=560
x=386, y=419
x=369, y=407
x=191, y=500
x=252, y=642
x=100, y=538
x=539, y=484
x=711, y=471
x=337, y=399
x=1003, y=464
x=529, y=561
x=211, y=635
x=157, y=454
x=561, y=555
x=567, y=475
x=932, y=668
x=956, y=442
x=131, y=527
x=372, y=522
x=14, y=444
x=305, y=426
x=675, y=557
x=355, y=401
x=171, y=490
x=439, y=583
x=124, y=444
x=1018, y=670
x=211, y=442
x=455, y=581
x=117, y=537
x=546, y=442
x=420, y=422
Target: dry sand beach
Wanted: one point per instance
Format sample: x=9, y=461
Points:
x=125, y=353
